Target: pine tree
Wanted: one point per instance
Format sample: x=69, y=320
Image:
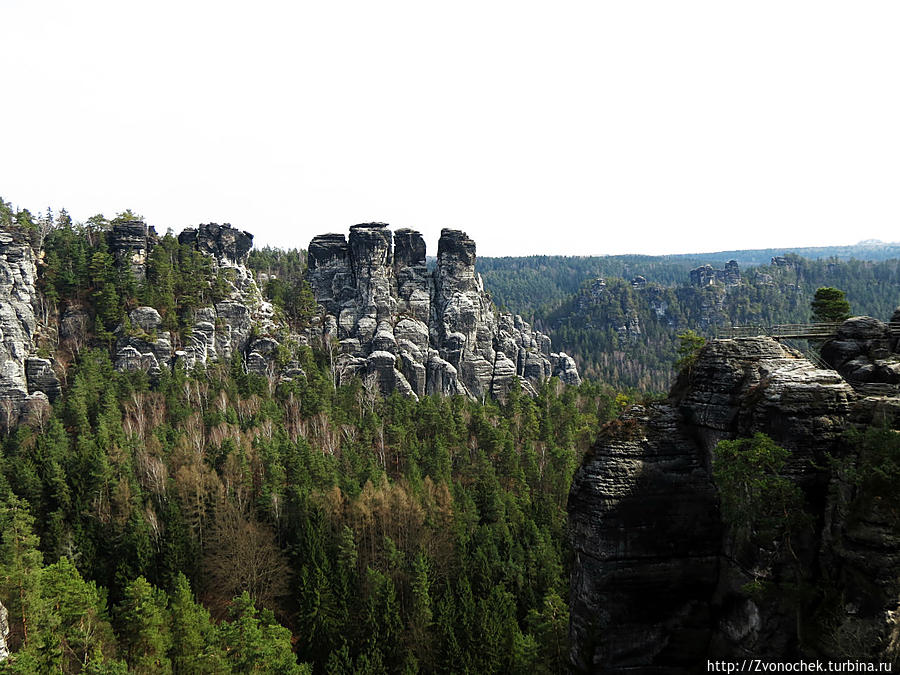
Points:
x=829, y=305
x=194, y=648
x=20, y=568
x=144, y=628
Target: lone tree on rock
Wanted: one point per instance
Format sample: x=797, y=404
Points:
x=829, y=305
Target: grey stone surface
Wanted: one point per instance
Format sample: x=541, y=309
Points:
x=145, y=345
x=18, y=323
x=41, y=376
x=441, y=327
x=4, y=632
x=659, y=583
x=130, y=243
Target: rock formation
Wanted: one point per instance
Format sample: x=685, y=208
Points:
x=659, y=583
x=4, y=632
x=418, y=332
x=130, y=243
x=26, y=381
x=706, y=275
x=863, y=352
x=218, y=330
x=222, y=329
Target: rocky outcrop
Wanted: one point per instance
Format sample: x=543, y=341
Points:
x=142, y=344
x=660, y=584
x=229, y=246
x=41, y=377
x=228, y=327
x=418, y=332
x=645, y=531
x=4, y=632
x=706, y=275
x=233, y=325
x=130, y=243
x=23, y=381
x=863, y=352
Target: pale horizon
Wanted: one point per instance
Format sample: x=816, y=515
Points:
x=592, y=129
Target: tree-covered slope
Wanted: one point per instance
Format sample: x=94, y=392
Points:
x=623, y=329
x=201, y=517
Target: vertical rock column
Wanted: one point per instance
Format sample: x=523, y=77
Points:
x=464, y=318
x=645, y=531
x=17, y=327
x=130, y=243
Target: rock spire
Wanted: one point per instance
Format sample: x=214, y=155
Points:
x=421, y=332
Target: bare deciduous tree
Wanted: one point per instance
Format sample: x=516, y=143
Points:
x=242, y=555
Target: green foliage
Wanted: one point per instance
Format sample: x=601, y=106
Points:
x=20, y=569
x=830, y=305
x=598, y=323
x=872, y=467
x=689, y=346
x=420, y=535
x=144, y=628
x=759, y=502
x=255, y=643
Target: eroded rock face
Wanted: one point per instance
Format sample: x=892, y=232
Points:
x=130, y=243
x=644, y=527
x=864, y=353
x=441, y=329
x=144, y=345
x=4, y=632
x=21, y=386
x=219, y=331
x=658, y=582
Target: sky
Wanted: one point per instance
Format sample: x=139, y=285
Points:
x=575, y=128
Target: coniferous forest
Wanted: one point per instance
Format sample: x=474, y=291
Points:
x=216, y=520
x=212, y=519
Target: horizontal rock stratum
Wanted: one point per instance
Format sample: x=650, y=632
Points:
x=662, y=584
x=421, y=332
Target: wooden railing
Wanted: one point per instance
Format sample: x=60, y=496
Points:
x=797, y=331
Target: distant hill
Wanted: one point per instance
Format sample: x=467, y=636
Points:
x=619, y=316
x=870, y=249
x=537, y=284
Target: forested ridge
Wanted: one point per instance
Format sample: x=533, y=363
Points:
x=620, y=316
x=215, y=520
x=210, y=519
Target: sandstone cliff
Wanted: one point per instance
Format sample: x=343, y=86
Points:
x=27, y=382
x=660, y=584
x=418, y=332
x=4, y=632
x=218, y=330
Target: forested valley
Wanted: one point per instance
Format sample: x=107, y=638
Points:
x=620, y=316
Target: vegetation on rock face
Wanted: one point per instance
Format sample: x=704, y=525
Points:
x=689, y=346
x=759, y=502
x=829, y=305
x=622, y=329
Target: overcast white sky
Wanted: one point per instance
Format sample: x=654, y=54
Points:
x=570, y=127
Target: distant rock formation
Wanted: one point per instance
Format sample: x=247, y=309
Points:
x=423, y=333
x=658, y=582
x=706, y=275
